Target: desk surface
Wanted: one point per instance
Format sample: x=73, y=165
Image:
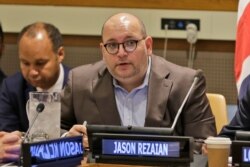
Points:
x=199, y=161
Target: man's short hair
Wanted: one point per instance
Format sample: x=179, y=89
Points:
x=52, y=32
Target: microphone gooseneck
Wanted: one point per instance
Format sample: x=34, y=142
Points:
x=170, y=130
x=39, y=108
x=196, y=78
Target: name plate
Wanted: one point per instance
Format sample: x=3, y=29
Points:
x=140, y=148
x=52, y=151
x=240, y=153
x=246, y=154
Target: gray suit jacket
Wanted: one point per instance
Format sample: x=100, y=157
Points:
x=89, y=96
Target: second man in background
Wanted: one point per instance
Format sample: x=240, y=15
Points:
x=41, y=52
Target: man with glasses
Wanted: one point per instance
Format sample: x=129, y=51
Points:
x=131, y=86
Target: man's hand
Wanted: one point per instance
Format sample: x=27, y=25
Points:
x=204, y=149
x=10, y=144
x=77, y=130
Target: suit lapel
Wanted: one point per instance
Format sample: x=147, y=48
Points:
x=28, y=89
x=105, y=99
x=66, y=74
x=158, y=92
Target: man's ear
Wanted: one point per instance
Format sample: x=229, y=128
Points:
x=101, y=49
x=61, y=53
x=149, y=44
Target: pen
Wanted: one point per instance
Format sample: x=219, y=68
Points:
x=84, y=123
x=86, y=149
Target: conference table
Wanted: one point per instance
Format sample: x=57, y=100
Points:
x=199, y=161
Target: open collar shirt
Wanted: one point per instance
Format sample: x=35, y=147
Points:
x=132, y=105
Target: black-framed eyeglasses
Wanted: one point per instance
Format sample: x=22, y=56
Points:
x=129, y=46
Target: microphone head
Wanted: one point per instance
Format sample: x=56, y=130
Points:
x=191, y=33
x=40, y=107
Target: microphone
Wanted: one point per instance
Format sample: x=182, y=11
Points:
x=39, y=108
x=160, y=130
x=191, y=38
x=191, y=33
x=196, y=78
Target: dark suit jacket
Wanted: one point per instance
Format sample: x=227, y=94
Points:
x=241, y=120
x=2, y=76
x=13, y=97
x=89, y=96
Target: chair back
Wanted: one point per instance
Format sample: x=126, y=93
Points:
x=219, y=108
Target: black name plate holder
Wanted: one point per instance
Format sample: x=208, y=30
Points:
x=65, y=151
x=141, y=149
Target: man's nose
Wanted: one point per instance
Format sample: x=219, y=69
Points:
x=33, y=72
x=121, y=50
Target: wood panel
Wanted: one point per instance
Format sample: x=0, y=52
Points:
x=173, y=44
x=218, y=5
